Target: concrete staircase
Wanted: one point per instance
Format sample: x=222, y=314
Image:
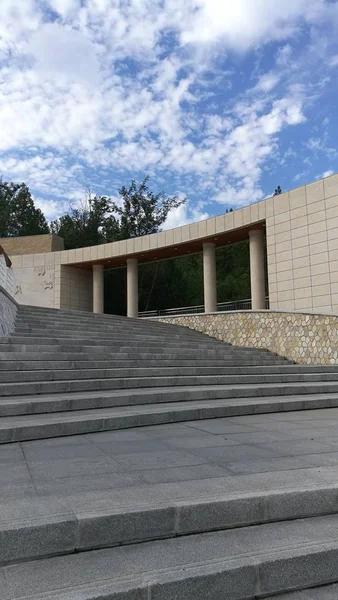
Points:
x=66, y=373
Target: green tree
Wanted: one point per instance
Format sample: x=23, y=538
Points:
x=18, y=214
x=91, y=224
x=143, y=212
x=278, y=191
x=100, y=219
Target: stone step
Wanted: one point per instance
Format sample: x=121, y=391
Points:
x=325, y=592
x=126, y=344
x=237, y=564
x=123, y=344
x=118, y=330
x=137, y=359
x=197, y=368
x=232, y=385
x=70, y=345
x=100, y=320
x=45, y=527
x=157, y=378
x=118, y=337
x=73, y=422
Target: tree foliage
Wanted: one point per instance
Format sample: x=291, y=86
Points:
x=18, y=214
x=91, y=224
x=278, y=191
x=101, y=219
x=143, y=212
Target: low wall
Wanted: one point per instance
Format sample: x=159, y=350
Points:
x=8, y=308
x=304, y=338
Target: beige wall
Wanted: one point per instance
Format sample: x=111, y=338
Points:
x=35, y=279
x=302, y=246
x=32, y=244
x=42, y=281
x=74, y=288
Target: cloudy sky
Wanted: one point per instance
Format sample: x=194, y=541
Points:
x=217, y=100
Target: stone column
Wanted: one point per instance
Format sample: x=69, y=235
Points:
x=209, y=278
x=257, y=269
x=132, y=287
x=98, y=289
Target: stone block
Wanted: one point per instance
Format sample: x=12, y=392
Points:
x=114, y=526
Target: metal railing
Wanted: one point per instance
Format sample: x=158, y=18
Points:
x=188, y=310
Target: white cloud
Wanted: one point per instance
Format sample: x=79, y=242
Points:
x=64, y=53
x=183, y=215
x=98, y=88
x=327, y=174
x=244, y=23
x=333, y=62
x=267, y=82
x=50, y=208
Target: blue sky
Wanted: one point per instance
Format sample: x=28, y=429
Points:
x=219, y=101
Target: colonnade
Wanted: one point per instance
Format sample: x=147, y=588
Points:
x=257, y=277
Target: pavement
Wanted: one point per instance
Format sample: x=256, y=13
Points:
x=182, y=452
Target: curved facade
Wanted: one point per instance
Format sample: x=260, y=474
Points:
x=301, y=229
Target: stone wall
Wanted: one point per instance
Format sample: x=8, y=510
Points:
x=304, y=338
x=7, y=279
x=8, y=308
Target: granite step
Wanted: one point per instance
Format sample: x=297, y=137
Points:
x=48, y=526
x=72, y=422
x=237, y=564
x=228, y=385
x=157, y=378
x=137, y=359
x=99, y=346
x=117, y=336
x=50, y=402
x=325, y=592
x=101, y=320
x=178, y=332
x=124, y=345
x=200, y=368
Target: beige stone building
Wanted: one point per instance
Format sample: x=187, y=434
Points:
x=301, y=231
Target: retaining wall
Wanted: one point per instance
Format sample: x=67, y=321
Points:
x=8, y=309
x=302, y=337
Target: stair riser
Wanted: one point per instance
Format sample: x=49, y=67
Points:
x=89, y=346
x=201, y=368
x=141, y=327
x=157, y=378
x=133, y=360
x=126, y=325
x=112, y=333
x=57, y=387
x=125, y=345
x=75, y=532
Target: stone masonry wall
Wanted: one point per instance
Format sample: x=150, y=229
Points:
x=304, y=338
x=8, y=308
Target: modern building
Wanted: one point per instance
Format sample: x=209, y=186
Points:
x=301, y=232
